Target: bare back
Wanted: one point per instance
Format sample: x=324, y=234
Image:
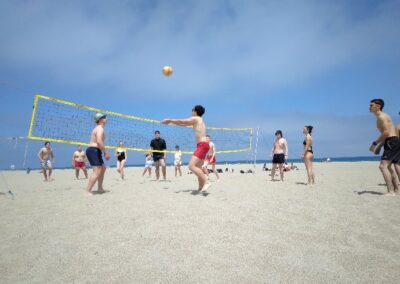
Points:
x=199, y=128
x=385, y=125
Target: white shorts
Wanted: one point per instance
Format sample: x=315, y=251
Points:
x=148, y=165
x=46, y=164
x=178, y=163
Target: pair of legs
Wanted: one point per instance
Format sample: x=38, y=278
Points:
x=178, y=169
x=195, y=165
x=280, y=171
x=161, y=162
x=47, y=177
x=390, y=175
x=308, y=161
x=77, y=172
x=120, y=167
x=97, y=176
x=145, y=170
x=205, y=170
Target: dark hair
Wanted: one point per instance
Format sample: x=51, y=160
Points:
x=45, y=143
x=177, y=147
x=378, y=102
x=157, y=131
x=279, y=132
x=309, y=128
x=208, y=136
x=200, y=110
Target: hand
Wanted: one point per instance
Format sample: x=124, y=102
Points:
x=107, y=156
x=372, y=148
x=286, y=157
x=166, y=121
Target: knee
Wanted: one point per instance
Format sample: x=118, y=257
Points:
x=383, y=166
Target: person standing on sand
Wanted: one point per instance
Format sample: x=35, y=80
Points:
x=308, y=153
x=199, y=127
x=46, y=156
x=160, y=156
x=79, y=161
x=391, y=145
x=279, y=154
x=94, y=154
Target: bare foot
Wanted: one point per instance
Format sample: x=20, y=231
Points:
x=206, y=186
x=87, y=194
x=390, y=193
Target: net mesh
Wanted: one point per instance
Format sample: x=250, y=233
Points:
x=65, y=122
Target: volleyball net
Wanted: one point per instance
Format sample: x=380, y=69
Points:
x=60, y=121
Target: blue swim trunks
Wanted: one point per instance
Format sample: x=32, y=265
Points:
x=94, y=156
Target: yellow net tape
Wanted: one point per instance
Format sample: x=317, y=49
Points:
x=60, y=121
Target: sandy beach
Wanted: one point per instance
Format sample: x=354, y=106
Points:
x=246, y=230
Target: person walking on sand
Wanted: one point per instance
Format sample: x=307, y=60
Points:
x=160, y=155
x=178, y=161
x=197, y=159
x=122, y=157
x=279, y=154
x=308, y=153
x=94, y=154
x=79, y=161
x=46, y=157
x=210, y=159
x=391, y=145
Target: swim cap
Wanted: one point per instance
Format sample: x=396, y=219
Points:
x=99, y=116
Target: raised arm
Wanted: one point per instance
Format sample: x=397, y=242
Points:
x=181, y=122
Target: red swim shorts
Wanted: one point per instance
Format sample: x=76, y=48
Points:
x=201, y=150
x=210, y=160
x=79, y=164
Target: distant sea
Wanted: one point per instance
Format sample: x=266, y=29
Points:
x=221, y=163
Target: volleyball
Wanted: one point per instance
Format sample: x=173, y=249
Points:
x=167, y=70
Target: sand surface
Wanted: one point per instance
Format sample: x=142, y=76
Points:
x=246, y=230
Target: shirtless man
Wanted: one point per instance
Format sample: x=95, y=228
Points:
x=210, y=158
x=46, y=156
x=94, y=154
x=79, y=161
x=391, y=146
x=199, y=127
x=279, y=154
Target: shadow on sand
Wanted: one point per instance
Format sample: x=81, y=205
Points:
x=301, y=183
x=368, y=192
x=194, y=192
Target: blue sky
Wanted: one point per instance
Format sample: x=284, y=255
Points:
x=268, y=64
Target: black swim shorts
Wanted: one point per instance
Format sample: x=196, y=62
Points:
x=94, y=156
x=157, y=157
x=391, y=148
x=278, y=159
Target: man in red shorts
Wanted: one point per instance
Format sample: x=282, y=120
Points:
x=210, y=159
x=197, y=160
x=79, y=161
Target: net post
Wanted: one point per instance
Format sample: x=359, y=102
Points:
x=255, y=150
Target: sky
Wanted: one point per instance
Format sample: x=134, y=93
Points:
x=262, y=64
